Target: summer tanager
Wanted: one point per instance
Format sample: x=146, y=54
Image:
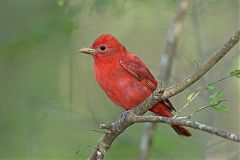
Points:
x=125, y=78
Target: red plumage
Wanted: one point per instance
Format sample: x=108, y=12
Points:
x=125, y=78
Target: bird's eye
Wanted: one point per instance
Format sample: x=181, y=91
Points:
x=102, y=48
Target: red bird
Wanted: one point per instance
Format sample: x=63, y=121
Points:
x=125, y=78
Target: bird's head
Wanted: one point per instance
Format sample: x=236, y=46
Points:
x=105, y=46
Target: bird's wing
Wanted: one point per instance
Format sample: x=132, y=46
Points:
x=139, y=70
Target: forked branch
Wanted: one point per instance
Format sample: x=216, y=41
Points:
x=106, y=140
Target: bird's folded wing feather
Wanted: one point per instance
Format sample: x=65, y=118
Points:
x=139, y=70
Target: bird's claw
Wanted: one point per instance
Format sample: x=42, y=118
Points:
x=161, y=90
x=124, y=115
x=117, y=124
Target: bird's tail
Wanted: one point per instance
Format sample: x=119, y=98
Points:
x=181, y=131
x=162, y=109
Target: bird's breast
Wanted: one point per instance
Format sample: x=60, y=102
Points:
x=120, y=86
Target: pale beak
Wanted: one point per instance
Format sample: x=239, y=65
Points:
x=87, y=51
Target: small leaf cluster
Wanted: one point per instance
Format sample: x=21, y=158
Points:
x=216, y=103
x=235, y=73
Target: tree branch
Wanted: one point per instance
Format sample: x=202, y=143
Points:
x=146, y=141
x=166, y=63
x=172, y=40
x=106, y=140
x=187, y=123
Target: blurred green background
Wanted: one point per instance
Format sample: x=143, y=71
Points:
x=50, y=102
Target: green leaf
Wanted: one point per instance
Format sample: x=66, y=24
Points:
x=214, y=102
x=235, y=73
x=211, y=86
x=222, y=109
x=192, y=95
x=217, y=94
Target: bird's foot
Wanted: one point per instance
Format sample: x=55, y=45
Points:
x=159, y=92
x=117, y=126
x=124, y=115
x=160, y=89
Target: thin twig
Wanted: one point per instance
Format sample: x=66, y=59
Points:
x=200, y=90
x=202, y=108
x=186, y=105
x=219, y=80
x=187, y=123
x=100, y=131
